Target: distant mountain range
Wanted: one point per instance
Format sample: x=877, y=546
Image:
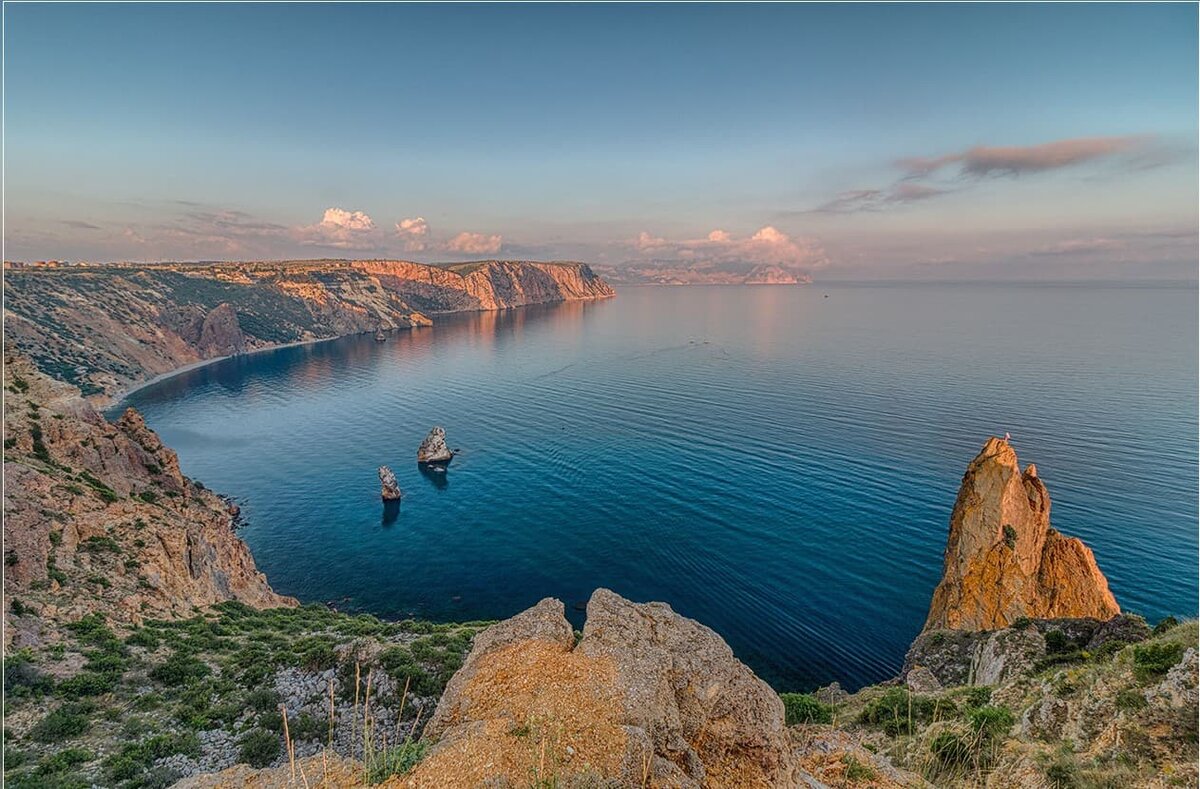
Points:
x=675, y=273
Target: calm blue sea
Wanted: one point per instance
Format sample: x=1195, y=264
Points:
x=779, y=463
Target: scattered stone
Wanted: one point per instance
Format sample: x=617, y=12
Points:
x=921, y=680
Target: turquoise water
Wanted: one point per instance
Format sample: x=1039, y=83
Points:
x=774, y=463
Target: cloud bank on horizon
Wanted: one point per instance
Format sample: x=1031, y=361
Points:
x=1029, y=150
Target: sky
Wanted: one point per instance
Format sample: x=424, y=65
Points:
x=850, y=141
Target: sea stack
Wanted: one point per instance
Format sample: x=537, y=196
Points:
x=433, y=449
x=389, y=488
x=1003, y=559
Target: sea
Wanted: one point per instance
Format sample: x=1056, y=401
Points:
x=778, y=463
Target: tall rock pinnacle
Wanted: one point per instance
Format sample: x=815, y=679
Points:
x=1004, y=560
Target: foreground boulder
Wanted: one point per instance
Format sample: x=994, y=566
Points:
x=1004, y=561
x=646, y=697
x=389, y=487
x=433, y=449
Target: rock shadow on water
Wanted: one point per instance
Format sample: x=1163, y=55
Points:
x=436, y=474
x=391, y=511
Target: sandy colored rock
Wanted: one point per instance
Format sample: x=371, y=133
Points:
x=1004, y=561
x=646, y=697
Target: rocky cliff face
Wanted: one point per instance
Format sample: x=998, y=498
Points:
x=1003, y=559
x=104, y=329
x=645, y=698
x=98, y=518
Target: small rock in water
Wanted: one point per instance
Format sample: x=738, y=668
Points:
x=433, y=449
x=390, y=489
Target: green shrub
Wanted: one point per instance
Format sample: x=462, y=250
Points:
x=86, y=683
x=22, y=679
x=394, y=761
x=148, y=496
x=263, y=699
x=898, y=712
x=144, y=638
x=1010, y=536
x=179, y=668
x=991, y=722
x=64, y=760
x=1155, y=659
x=951, y=750
x=1130, y=699
x=258, y=748
x=69, y=720
x=977, y=696
x=857, y=771
x=1062, y=775
x=1057, y=641
x=1165, y=624
x=10, y=558
x=805, y=708
x=100, y=545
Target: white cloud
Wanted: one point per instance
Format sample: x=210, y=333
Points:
x=339, y=229
x=767, y=245
x=475, y=243
x=413, y=232
x=350, y=220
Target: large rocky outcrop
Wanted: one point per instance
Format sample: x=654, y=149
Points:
x=389, y=488
x=106, y=328
x=646, y=698
x=98, y=518
x=433, y=449
x=1003, y=559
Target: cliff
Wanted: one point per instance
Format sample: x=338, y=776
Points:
x=1003, y=559
x=98, y=518
x=104, y=329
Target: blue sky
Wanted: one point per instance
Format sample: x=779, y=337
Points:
x=868, y=140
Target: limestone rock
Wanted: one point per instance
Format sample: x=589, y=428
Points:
x=645, y=696
x=433, y=449
x=106, y=330
x=1003, y=560
x=80, y=492
x=921, y=680
x=389, y=487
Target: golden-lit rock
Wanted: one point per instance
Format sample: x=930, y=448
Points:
x=1003, y=559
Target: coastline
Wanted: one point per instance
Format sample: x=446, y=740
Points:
x=106, y=402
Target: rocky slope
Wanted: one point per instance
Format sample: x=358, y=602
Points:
x=98, y=518
x=106, y=328
x=1003, y=559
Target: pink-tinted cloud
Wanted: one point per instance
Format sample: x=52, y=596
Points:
x=339, y=229
x=475, y=243
x=768, y=245
x=413, y=233
x=1016, y=160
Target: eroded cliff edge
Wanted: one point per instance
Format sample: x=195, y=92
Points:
x=107, y=328
x=99, y=519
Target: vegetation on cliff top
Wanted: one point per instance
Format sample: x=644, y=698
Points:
x=144, y=706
